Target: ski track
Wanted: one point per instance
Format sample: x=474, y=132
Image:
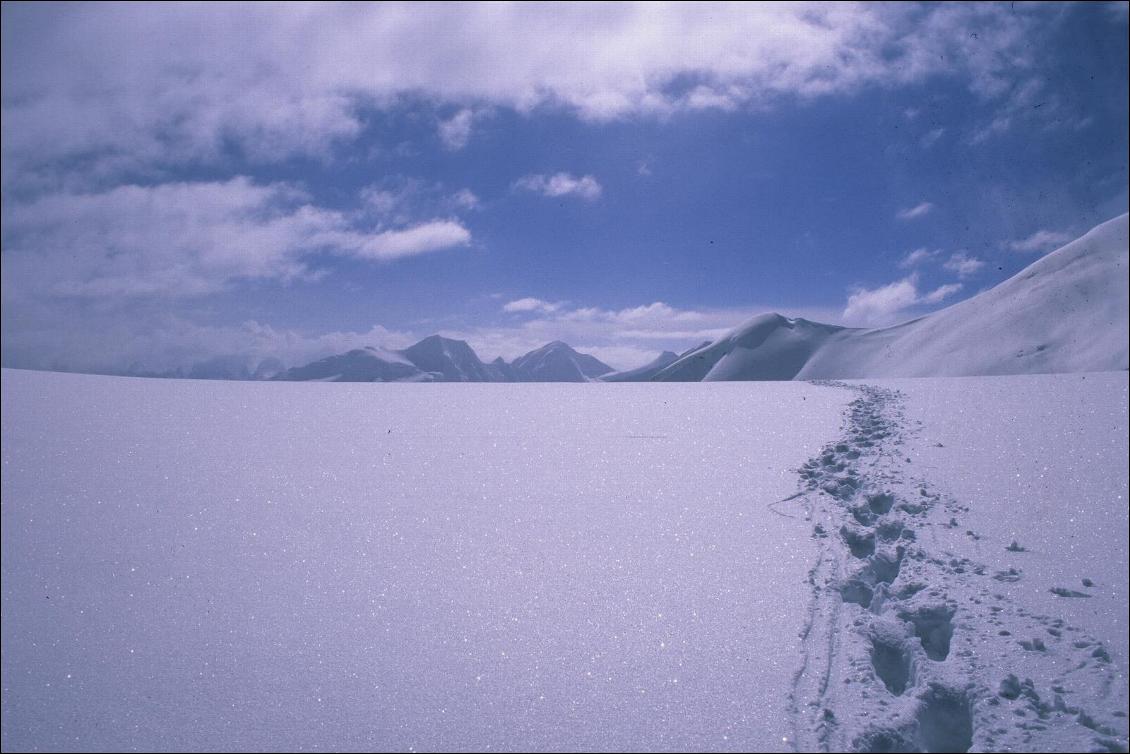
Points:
x=905, y=646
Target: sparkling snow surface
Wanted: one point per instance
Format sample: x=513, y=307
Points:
x=215, y=565
x=1039, y=460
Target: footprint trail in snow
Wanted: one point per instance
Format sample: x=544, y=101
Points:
x=909, y=647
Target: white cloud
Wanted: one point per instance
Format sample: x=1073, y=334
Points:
x=561, y=184
x=963, y=264
x=1041, y=240
x=917, y=257
x=883, y=305
x=394, y=244
x=184, y=239
x=402, y=201
x=918, y=210
x=530, y=305
x=455, y=132
x=134, y=85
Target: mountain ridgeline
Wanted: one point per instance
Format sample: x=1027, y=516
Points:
x=439, y=359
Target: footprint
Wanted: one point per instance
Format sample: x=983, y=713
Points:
x=945, y=720
x=891, y=659
x=933, y=625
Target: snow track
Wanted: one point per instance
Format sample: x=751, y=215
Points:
x=907, y=646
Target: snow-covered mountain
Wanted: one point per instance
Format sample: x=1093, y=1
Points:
x=439, y=359
x=359, y=365
x=646, y=372
x=557, y=362
x=1067, y=312
x=448, y=360
x=501, y=371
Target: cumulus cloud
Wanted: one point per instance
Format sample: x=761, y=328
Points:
x=1041, y=240
x=192, y=238
x=561, y=184
x=963, y=264
x=918, y=210
x=155, y=85
x=883, y=305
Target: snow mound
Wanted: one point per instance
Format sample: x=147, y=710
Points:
x=1066, y=312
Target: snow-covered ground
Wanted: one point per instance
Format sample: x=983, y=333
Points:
x=713, y=566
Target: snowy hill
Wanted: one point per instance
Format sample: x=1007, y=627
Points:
x=557, y=362
x=767, y=347
x=1066, y=312
x=359, y=365
x=646, y=372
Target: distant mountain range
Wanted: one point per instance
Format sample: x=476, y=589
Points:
x=1066, y=312
x=439, y=359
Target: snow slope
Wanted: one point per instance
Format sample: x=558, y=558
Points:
x=646, y=372
x=906, y=565
x=1067, y=312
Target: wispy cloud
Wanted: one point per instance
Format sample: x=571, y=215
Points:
x=455, y=132
x=1041, y=240
x=465, y=199
x=562, y=184
x=918, y=257
x=931, y=137
x=918, y=210
x=941, y=293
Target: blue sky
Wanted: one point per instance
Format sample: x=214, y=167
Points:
x=181, y=182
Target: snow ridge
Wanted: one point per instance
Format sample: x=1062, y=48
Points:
x=906, y=646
